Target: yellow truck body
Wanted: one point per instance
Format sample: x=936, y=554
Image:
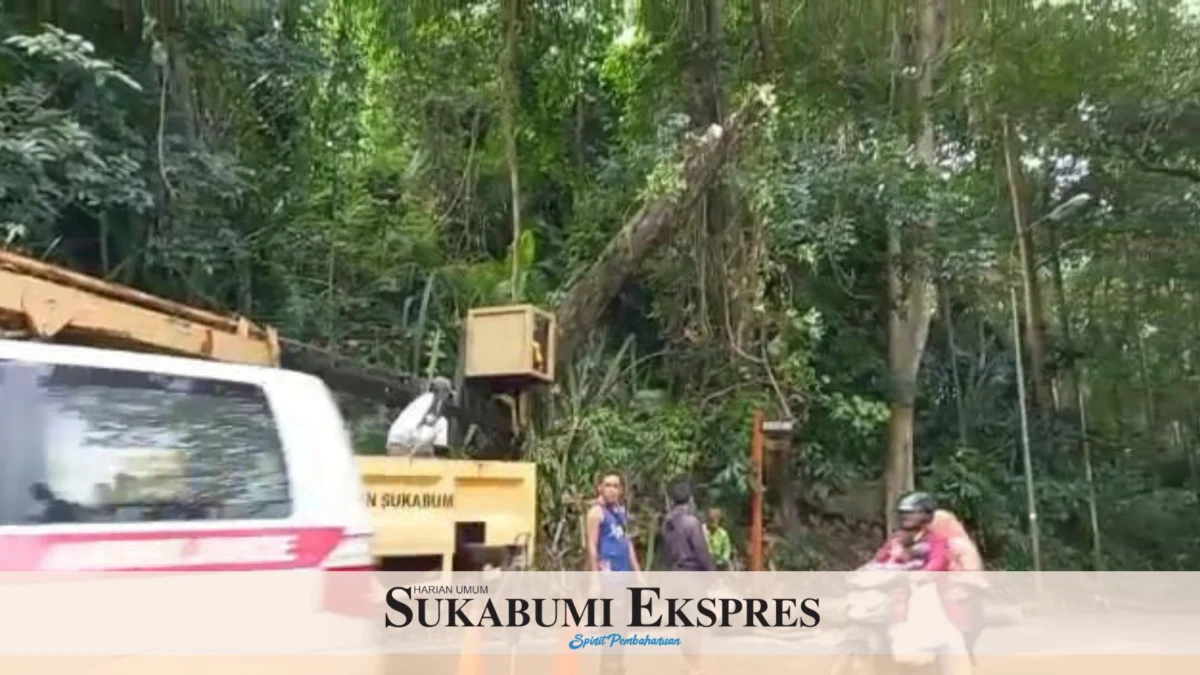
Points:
x=432, y=509
x=428, y=512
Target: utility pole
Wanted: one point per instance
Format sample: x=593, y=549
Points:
x=756, y=503
x=1093, y=515
x=1026, y=456
x=1058, y=213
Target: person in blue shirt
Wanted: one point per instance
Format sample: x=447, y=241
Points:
x=609, y=550
x=609, y=546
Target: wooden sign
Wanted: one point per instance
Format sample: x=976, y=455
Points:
x=777, y=427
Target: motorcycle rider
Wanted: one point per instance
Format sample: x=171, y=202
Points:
x=879, y=605
x=964, y=556
x=916, y=511
x=970, y=586
x=920, y=546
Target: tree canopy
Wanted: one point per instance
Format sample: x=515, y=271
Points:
x=359, y=173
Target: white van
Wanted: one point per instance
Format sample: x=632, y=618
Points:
x=114, y=461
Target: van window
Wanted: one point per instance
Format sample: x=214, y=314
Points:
x=83, y=444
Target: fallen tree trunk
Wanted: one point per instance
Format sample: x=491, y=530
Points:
x=655, y=222
x=493, y=436
x=348, y=376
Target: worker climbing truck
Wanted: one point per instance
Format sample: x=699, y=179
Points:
x=126, y=417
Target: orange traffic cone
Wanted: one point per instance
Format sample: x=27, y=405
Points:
x=566, y=662
x=470, y=658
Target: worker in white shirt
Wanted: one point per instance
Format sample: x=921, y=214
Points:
x=421, y=426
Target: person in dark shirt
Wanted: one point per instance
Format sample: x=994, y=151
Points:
x=683, y=539
x=685, y=549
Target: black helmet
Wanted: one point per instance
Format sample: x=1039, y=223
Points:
x=917, y=502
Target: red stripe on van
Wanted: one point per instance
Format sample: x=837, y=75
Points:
x=181, y=550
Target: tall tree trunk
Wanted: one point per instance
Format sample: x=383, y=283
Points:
x=510, y=20
x=172, y=19
x=912, y=298
x=959, y=410
x=1075, y=387
x=717, y=282
x=762, y=13
x=1135, y=323
x=1035, y=315
x=1069, y=366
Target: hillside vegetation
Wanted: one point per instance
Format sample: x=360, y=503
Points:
x=361, y=172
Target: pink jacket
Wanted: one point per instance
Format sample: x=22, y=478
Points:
x=964, y=556
x=939, y=560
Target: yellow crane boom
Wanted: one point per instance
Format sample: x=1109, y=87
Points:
x=46, y=301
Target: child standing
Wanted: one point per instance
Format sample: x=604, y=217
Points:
x=718, y=539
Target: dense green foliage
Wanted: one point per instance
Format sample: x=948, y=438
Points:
x=339, y=168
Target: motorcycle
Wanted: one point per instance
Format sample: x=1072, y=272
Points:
x=868, y=617
x=874, y=642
